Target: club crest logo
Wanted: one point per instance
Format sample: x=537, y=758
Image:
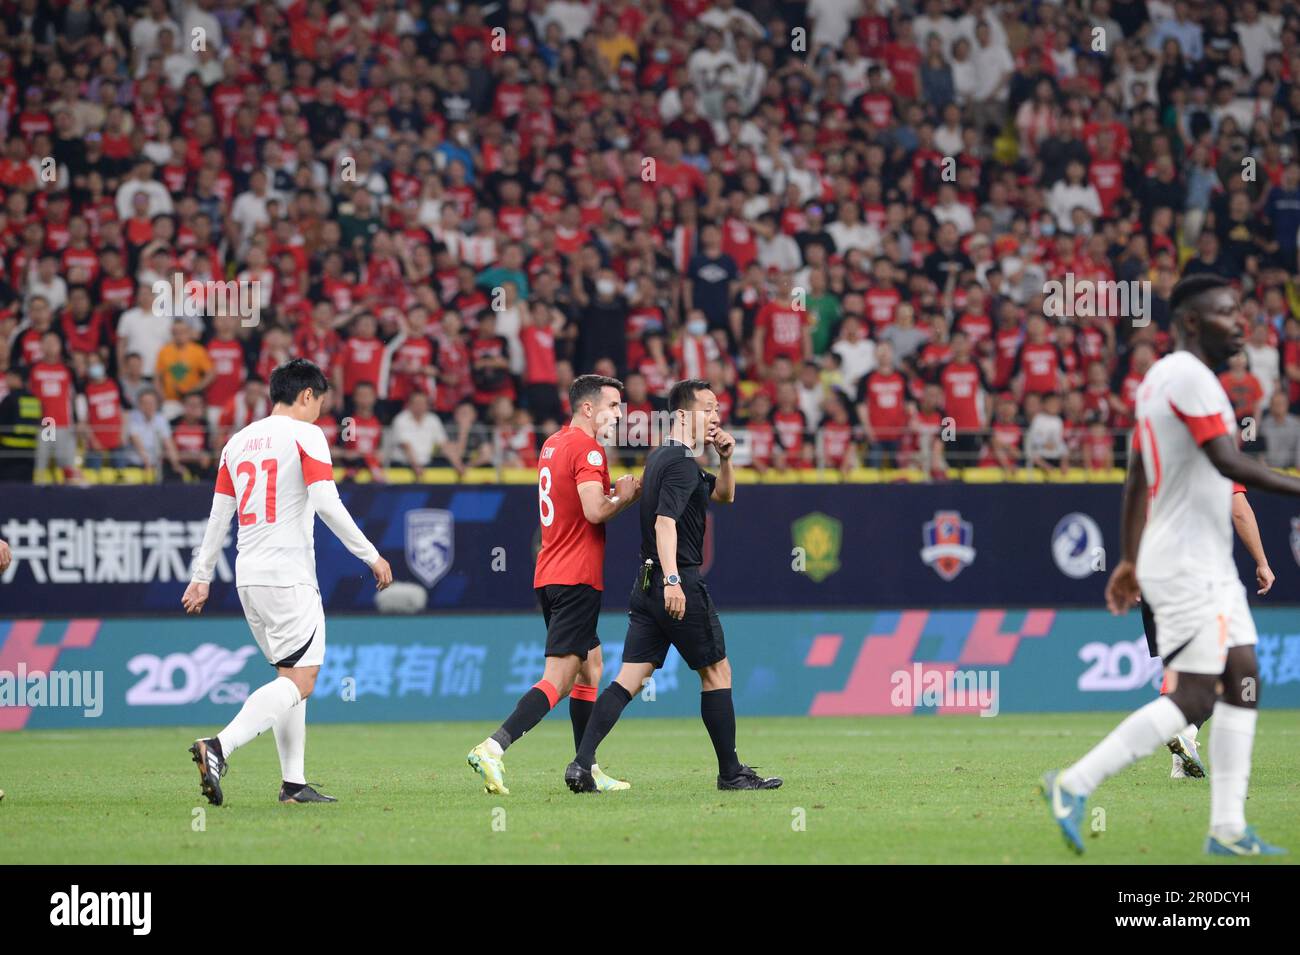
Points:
x=819, y=535
x=1077, y=545
x=948, y=544
x=430, y=544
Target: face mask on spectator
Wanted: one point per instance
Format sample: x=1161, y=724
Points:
x=697, y=326
x=97, y=372
x=605, y=287
x=662, y=56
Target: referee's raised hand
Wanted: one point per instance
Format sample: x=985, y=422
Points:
x=724, y=442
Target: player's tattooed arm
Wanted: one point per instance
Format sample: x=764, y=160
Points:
x=598, y=508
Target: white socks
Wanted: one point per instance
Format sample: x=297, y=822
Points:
x=1140, y=735
x=1231, y=738
x=260, y=712
x=291, y=742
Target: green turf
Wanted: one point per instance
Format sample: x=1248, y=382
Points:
x=922, y=789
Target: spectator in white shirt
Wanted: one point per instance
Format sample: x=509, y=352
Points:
x=249, y=212
x=993, y=69
x=140, y=331
x=705, y=65
x=965, y=80
x=150, y=436
x=725, y=16
x=574, y=18
x=1071, y=193
x=849, y=232
x=417, y=435
x=142, y=181
x=1263, y=359
x=45, y=282
x=1256, y=36
x=198, y=16
x=776, y=249
x=1045, y=438
x=950, y=209
x=832, y=21
x=857, y=352
x=934, y=21
x=144, y=32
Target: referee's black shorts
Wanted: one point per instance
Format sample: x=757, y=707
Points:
x=571, y=612
x=1149, y=628
x=651, y=631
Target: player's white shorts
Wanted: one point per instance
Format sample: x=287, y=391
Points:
x=1198, y=621
x=288, y=623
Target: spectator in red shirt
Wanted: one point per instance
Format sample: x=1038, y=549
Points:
x=490, y=357
x=191, y=435
x=965, y=398
x=229, y=365
x=882, y=409
x=1038, y=366
x=101, y=418
x=362, y=434
x=1003, y=449
x=361, y=358
x=1243, y=388
x=50, y=380
x=791, y=427
x=765, y=451
x=839, y=445
x=249, y=404
x=782, y=327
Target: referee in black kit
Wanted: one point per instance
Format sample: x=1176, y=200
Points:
x=670, y=604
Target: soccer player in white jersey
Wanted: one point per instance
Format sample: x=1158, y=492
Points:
x=1178, y=553
x=277, y=475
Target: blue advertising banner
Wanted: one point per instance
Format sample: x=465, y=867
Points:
x=100, y=552
x=138, y=672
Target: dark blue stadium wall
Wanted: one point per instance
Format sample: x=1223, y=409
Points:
x=126, y=551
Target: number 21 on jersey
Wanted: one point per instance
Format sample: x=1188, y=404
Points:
x=249, y=470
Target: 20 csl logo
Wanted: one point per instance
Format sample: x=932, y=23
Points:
x=181, y=678
x=1122, y=666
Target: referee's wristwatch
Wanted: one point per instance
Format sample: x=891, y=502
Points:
x=672, y=580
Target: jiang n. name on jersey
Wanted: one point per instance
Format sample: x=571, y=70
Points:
x=268, y=468
x=573, y=548
x=1180, y=407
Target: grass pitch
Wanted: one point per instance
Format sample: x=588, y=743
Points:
x=881, y=790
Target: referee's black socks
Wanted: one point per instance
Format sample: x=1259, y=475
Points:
x=608, y=708
x=582, y=700
x=720, y=720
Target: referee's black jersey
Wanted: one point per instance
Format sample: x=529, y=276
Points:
x=675, y=486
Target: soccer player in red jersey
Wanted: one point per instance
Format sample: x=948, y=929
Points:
x=574, y=503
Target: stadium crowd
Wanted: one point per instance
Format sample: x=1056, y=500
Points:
x=842, y=213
